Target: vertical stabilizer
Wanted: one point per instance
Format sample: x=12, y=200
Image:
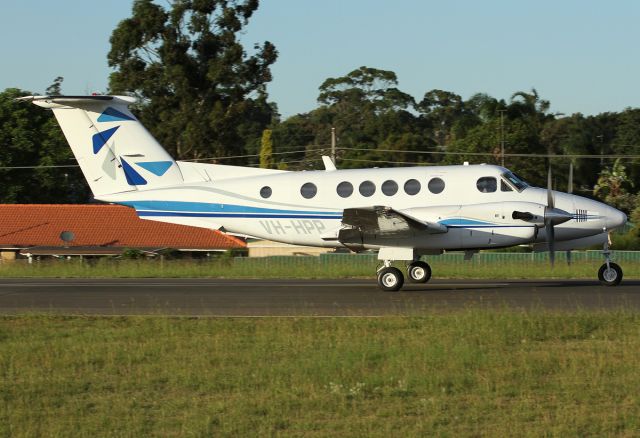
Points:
x=115, y=152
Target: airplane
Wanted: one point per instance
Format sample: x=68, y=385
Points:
x=403, y=213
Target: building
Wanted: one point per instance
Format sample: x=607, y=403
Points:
x=268, y=248
x=30, y=230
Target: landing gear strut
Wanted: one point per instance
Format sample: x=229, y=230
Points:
x=609, y=274
x=391, y=279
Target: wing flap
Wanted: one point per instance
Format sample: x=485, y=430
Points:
x=385, y=221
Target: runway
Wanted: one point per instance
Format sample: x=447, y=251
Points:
x=213, y=297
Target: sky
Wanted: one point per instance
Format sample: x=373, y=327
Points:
x=583, y=56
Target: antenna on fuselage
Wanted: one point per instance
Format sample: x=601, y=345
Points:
x=329, y=165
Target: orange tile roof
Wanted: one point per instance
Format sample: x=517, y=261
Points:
x=25, y=225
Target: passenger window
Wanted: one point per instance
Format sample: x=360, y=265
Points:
x=504, y=187
x=389, y=187
x=265, y=192
x=367, y=188
x=487, y=184
x=308, y=190
x=436, y=185
x=412, y=187
x=344, y=189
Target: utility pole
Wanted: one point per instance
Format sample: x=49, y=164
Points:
x=601, y=137
x=333, y=145
x=502, y=111
x=570, y=185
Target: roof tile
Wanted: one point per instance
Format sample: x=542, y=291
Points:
x=24, y=225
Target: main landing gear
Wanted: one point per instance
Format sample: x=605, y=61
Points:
x=609, y=274
x=391, y=279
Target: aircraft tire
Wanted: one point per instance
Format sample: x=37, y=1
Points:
x=611, y=276
x=419, y=272
x=390, y=279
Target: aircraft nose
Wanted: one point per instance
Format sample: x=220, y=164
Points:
x=615, y=218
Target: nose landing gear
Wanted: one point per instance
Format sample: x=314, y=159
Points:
x=609, y=274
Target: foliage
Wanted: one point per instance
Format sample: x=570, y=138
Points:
x=614, y=187
x=30, y=136
x=132, y=254
x=266, y=150
x=201, y=94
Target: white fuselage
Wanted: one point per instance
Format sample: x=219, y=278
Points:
x=305, y=208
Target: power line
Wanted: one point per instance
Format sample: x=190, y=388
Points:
x=256, y=155
x=386, y=161
x=38, y=167
x=395, y=151
x=490, y=154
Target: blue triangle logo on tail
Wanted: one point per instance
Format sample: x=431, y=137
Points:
x=101, y=138
x=113, y=115
x=156, y=167
x=133, y=177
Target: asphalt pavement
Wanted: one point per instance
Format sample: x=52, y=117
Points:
x=214, y=297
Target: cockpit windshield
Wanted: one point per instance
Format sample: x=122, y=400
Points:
x=516, y=181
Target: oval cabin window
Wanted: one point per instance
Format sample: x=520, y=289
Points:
x=389, y=187
x=265, y=192
x=436, y=185
x=412, y=187
x=308, y=190
x=367, y=188
x=344, y=189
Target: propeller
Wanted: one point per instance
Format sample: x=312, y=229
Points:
x=552, y=216
x=570, y=191
x=548, y=222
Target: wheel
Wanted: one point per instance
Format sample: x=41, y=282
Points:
x=611, y=276
x=419, y=272
x=390, y=279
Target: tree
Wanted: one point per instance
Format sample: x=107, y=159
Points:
x=614, y=187
x=201, y=93
x=365, y=86
x=266, y=150
x=30, y=136
x=365, y=107
x=55, y=89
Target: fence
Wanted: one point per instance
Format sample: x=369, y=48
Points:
x=358, y=260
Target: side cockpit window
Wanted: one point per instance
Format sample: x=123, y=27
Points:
x=487, y=184
x=504, y=187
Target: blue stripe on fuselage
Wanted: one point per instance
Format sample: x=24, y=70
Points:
x=205, y=209
x=237, y=215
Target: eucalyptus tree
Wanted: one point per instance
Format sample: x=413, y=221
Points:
x=201, y=93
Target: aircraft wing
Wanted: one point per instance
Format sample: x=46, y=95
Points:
x=385, y=221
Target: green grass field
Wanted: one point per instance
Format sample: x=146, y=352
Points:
x=305, y=267
x=475, y=372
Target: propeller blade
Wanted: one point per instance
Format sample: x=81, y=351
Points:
x=569, y=257
x=551, y=242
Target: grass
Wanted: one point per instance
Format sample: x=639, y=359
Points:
x=300, y=267
x=475, y=372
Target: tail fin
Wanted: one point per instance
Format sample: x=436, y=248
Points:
x=115, y=152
